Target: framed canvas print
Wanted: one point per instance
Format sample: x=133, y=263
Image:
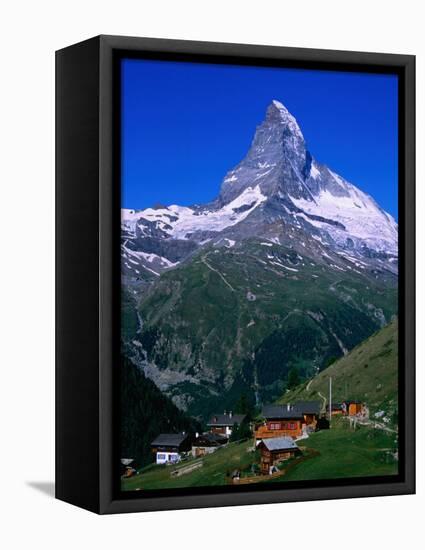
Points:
x=235, y=274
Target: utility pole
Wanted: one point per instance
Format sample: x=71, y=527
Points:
x=330, y=400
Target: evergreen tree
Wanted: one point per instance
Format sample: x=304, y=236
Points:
x=293, y=378
x=145, y=413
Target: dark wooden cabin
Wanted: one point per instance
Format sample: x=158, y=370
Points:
x=207, y=443
x=167, y=448
x=275, y=450
x=222, y=424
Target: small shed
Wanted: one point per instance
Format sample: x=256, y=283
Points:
x=207, y=443
x=127, y=467
x=274, y=450
x=354, y=407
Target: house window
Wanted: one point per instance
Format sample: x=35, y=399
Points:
x=275, y=426
x=292, y=426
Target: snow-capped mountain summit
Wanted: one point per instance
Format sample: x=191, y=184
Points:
x=277, y=159
x=278, y=190
x=280, y=164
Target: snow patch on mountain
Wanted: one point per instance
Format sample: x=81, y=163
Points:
x=181, y=222
x=153, y=263
x=314, y=172
x=154, y=257
x=362, y=218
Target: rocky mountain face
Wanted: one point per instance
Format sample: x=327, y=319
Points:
x=290, y=266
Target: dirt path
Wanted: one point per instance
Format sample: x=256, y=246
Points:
x=218, y=273
x=324, y=400
x=379, y=425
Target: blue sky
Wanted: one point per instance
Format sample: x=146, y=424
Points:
x=184, y=125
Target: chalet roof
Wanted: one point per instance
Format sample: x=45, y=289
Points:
x=280, y=411
x=279, y=443
x=295, y=411
x=209, y=439
x=226, y=419
x=169, y=440
x=308, y=407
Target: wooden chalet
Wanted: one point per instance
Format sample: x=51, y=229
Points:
x=275, y=450
x=280, y=421
x=287, y=420
x=207, y=443
x=167, y=448
x=222, y=424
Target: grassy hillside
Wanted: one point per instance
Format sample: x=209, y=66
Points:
x=328, y=454
x=216, y=469
x=368, y=373
x=342, y=452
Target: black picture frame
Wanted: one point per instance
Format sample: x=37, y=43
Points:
x=87, y=270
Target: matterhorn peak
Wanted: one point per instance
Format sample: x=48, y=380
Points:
x=276, y=105
x=277, y=155
x=277, y=113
